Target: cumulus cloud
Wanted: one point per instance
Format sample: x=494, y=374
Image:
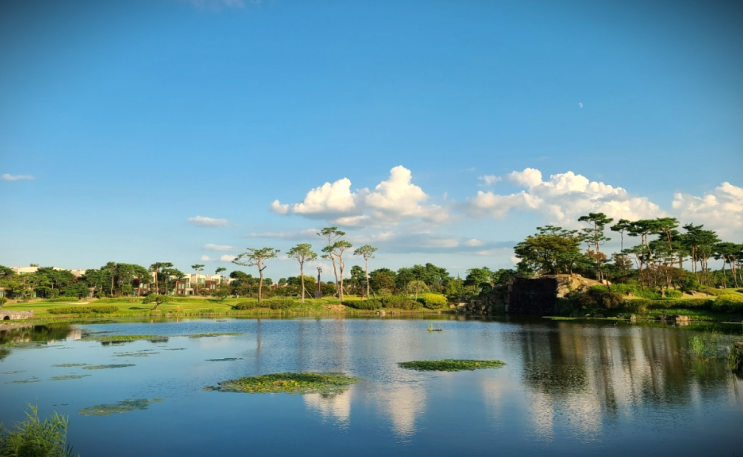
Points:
x=207, y=221
x=425, y=242
x=720, y=209
x=227, y=258
x=9, y=177
x=218, y=247
x=561, y=199
x=205, y=258
x=392, y=201
x=278, y=208
x=489, y=180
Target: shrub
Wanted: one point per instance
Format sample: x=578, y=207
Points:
x=3, y=301
x=34, y=437
x=728, y=304
x=84, y=310
x=400, y=302
x=673, y=293
x=373, y=303
x=246, y=305
x=433, y=301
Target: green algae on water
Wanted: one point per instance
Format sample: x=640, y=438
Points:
x=69, y=376
x=450, y=365
x=225, y=359
x=293, y=383
x=104, y=367
x=119, y=407
x=69, y=365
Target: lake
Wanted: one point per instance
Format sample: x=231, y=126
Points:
x=568, y=388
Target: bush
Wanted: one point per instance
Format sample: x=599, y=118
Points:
x=433, y=301
x=728, y=304
x=400, y=302
x=84, y=310
x=34, y=437
x=673, y=293
x=3, y=301
x=271, y=303
x=373, y=303
x=246, y=305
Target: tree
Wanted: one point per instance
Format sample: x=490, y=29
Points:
x=622, y=226
x=222, y=291
x=157, y=299
x=553, y=250
x=336, y=251
x=594, y=236
x=729, y=253
x=198, y=268
x=332, y=234
x=479, y=278
x=382, y=279
x=367, y=252
x=256, y=258
x=218, y=271
x=302, y=253
x=157, y=268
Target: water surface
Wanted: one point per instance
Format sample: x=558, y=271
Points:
x=568, y=388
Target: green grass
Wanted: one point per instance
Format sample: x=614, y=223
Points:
x=450, y=365
x=293, y=383
x=123, y=406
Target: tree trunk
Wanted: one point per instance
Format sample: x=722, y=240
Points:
x=366, y=262
x=301, y=278
x=260, y=283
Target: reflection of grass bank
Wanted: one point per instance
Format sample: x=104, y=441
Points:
x=293, y=383
x=123, y=406
x=450, y=365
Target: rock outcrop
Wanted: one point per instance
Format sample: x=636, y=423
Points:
x=536, y=296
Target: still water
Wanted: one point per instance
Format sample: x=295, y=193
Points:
x=568, y=388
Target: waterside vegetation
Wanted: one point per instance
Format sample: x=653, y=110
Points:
x=293, y=383
x=451, y=364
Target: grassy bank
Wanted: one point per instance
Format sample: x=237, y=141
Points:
x=130, y=307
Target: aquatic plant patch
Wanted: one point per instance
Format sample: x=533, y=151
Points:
x=134, y=354
x=225, y=359
x=119, y=407
x=450, y=365
x=126, y=338
x=69, y=365
x=293, y=383
x=211, y=335
x=69, y=376
x=27, y=381
x=105, y=367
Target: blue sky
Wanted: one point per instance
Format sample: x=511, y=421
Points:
x=171, y=130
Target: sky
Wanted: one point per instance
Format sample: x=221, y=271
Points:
x=188, y=131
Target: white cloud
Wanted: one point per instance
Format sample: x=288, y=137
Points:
x=205, y=258
x=207, y=221
x=562, y=199
x=278, y=208
x=399, y=198
x=392, y=201
x=327, y=200
x=489, y=180
x=227, y=258
x=300, y=235
x=474, y=242
x=218, y=247
x=720, y=209
x=9, y=177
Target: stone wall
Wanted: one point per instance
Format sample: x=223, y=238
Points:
x=6, y=315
